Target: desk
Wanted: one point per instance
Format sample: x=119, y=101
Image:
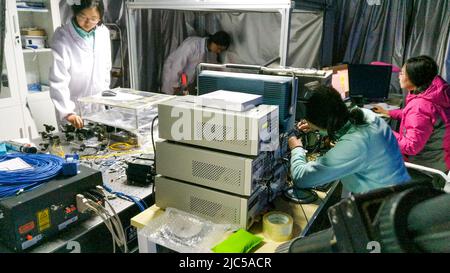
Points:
x=393, y=102
x=92, y=235
x=268, y=246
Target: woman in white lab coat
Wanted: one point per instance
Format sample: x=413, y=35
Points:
x=81, y=60
x=187, y=56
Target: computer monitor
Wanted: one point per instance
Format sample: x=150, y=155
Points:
x=339, y=81
x=372, y=82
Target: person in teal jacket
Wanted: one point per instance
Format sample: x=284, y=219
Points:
x=366, y=154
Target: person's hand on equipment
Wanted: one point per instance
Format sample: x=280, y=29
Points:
x=75, y=120
x=295, y=142
x=380, y=110
x=328, y=143
x=304, y=126
x=176, y=90
x=180, y=92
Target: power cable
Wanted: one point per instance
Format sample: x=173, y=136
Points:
x=44, y=167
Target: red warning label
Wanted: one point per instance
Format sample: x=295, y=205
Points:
x=27, y=227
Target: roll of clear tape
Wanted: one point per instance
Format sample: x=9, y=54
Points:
x=277, y=226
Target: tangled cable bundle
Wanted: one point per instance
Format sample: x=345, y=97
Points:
x=45, y=167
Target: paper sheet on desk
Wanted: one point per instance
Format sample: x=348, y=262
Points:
x=382, y=104
x=121, y=97
x=15, y=164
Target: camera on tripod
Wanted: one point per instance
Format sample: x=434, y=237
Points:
x=409, y=218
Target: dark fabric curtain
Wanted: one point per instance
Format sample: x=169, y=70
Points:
x=366, y=33
x=392, y=31
x=158, y=33
x=255, y=38
x=446, y=69
x=429, y=32
x=2, y=32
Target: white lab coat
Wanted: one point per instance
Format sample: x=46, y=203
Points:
x=78, y=69
x=184, y=59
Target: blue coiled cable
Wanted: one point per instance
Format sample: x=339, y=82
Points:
x=45, y=168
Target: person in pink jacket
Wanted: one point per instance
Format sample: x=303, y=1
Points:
x=424, y=133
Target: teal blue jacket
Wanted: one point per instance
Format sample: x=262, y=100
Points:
x=365, y=157
x=83, y=33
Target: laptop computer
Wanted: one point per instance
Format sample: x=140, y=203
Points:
x=372, y=82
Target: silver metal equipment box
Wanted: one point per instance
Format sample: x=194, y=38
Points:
x=219, y=170
x=249, y=133
x=216, y=206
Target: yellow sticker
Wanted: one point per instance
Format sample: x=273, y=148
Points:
x=43, y=219
x=265, y=125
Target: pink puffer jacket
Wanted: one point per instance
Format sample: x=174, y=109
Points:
x=424, y=134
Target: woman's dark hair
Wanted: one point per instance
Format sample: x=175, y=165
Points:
x=87, y=4
x=421, y=71
x=220, y=38
x=326, y=109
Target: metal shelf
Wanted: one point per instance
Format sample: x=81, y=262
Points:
x=39, y=50
x=32, y=10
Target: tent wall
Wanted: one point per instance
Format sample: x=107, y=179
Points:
x=256, y=37
x=430, y=32
x=2, y=33
x=392, y=31
x=327, y=8
x=354, y=32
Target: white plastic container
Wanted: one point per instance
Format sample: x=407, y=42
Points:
x=129, y=109
x=35, y=42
